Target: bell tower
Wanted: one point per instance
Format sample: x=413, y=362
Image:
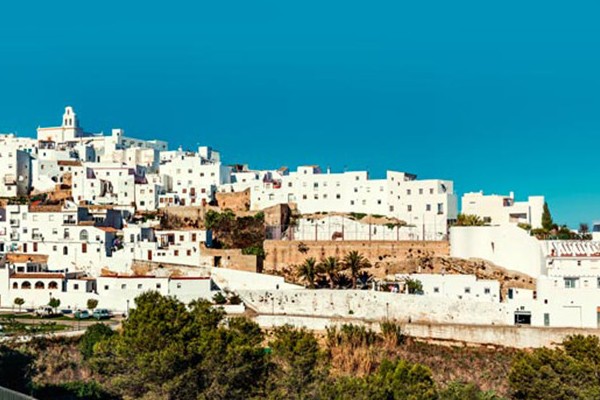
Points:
x=70, y=118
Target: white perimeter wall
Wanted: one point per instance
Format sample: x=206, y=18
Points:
x=372, y=305
x=507, y=246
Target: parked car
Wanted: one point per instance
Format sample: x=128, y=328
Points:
x=82, y=314
x=44, y=311
x=102, y=313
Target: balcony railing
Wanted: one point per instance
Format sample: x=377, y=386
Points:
x=37, y=236
x=69, y=221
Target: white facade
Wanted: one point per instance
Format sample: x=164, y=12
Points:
x=461, y=287
x=426, y=204
x=497, y=209
x=192, y=178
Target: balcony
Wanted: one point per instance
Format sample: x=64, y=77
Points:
x=37, y=236
x=14, y=236
x=69, y=221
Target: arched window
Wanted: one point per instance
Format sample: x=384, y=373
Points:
x=39, y=285
x=26, y=285
x=15, y=285
x=65, y=250
x=83, y=235
x=53, y=285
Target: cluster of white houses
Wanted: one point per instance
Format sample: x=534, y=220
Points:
x=84, y=246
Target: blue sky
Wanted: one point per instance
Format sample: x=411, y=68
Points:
x=497, y=96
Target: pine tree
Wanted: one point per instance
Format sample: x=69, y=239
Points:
x=547, y=222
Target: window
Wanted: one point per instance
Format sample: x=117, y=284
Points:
x=487, y=290
x=83, y=235
x=65, y=251
x=105, y=287
x=76, y=286
x=158, y=285
x=351, y=202
x=391, y=208
x=123, y=286
x=428, y=207
x=189, y=252
x=338, y=196
x=420, y=191
x=139, y=285
x=571, y=283
x=436, y=290
x=409, y=208
x=408, y=192
x=430, y=191
x=467, y=290
x=178, y=285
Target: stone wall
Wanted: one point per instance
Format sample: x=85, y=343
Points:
x=285, y=253
x=235, y=201
x=233, y=259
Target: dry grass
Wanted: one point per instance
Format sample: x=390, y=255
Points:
x=58, y=360
x=355, y=351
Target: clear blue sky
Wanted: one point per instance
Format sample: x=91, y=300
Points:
x=497, y=96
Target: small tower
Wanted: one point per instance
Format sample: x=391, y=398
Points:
x=70, y=118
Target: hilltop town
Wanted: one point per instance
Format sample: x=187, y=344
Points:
x=104, y=218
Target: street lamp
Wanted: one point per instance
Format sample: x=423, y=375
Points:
x=127, y=314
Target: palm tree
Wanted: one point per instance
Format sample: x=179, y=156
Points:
x=330, y=267
x=308, y=271
x=354, y=262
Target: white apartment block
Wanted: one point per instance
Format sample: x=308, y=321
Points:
x=191, y=178
x=426, y=204
x=498, y=209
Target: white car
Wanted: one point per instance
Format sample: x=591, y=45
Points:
x=44, y=311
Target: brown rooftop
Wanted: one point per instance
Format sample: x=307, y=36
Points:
x=23, y=257
x=70, y=163
x=38, y=275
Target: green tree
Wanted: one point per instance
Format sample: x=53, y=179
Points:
x=19, y=301
x=218, y=298
x=414, y=286
x=169, y=350
x=330, y=267
x=469, y=220
x=92, y=304
x=307, y=271
x=54, y=303
x=93, y=334
x=354, y=262
x=295, y=369
x=394, y=380
x=465, y=391
x=568, y=372
x=547, y=222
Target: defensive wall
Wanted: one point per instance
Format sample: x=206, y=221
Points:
x=284, y=253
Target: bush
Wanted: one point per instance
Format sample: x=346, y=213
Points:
x=218, y=298
x=93, y=334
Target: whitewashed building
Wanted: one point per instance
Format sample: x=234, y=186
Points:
x=497, y=209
